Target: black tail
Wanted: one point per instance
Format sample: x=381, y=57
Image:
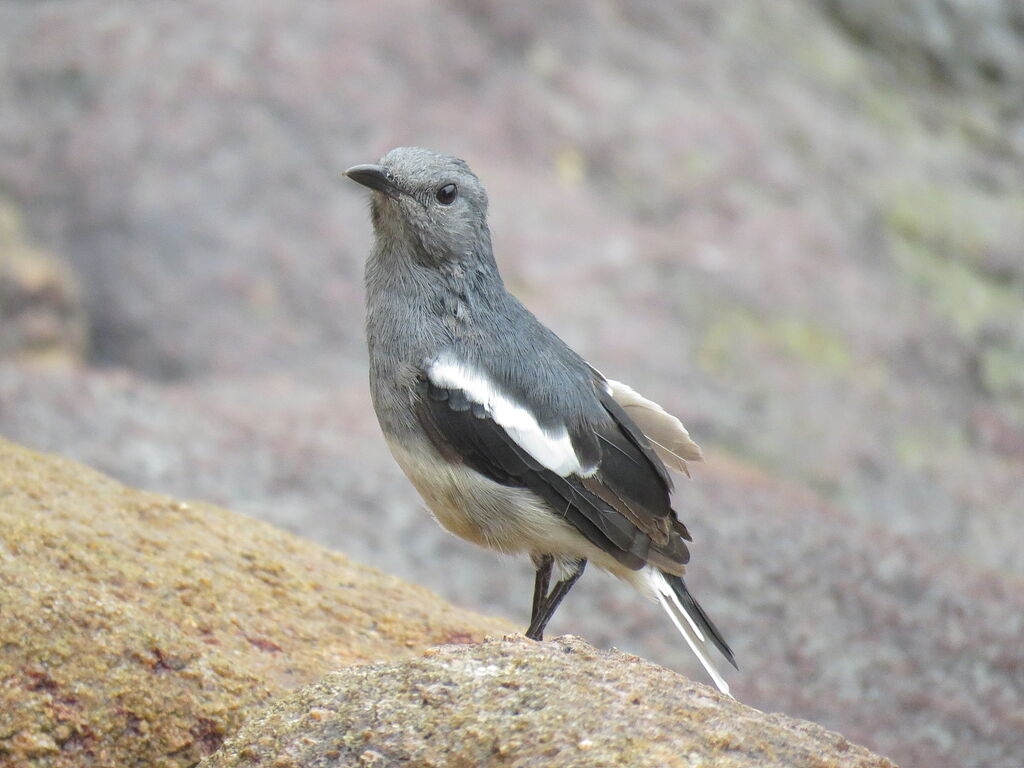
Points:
x=702, y=620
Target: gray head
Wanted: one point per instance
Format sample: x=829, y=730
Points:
x=428, y=202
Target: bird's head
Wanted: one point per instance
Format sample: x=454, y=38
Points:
x=432, y=202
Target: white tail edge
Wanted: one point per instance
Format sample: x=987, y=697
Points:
x=686, y=625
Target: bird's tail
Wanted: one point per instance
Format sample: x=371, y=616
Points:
x=693, y=624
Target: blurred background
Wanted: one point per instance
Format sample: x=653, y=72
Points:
x=798, y=225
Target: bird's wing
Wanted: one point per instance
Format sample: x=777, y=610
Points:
x=665, y=432
x=602, y=476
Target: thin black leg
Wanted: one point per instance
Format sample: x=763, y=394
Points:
x=547, y=609
x=540, y=584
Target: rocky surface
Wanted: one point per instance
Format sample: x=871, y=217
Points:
x=520, y=703
x=42, y=317
x=796, y=224
x=140, y=630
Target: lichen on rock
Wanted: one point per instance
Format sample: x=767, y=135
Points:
x=514, y=702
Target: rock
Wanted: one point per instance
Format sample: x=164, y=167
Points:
x=41, y=312
x=140, y=630
x=514, y=702
x=961, y=41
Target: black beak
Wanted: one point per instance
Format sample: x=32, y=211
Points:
x=374, y=177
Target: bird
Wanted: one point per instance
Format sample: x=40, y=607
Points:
x=514, y=441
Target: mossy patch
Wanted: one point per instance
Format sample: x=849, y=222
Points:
x=962, y=250
x=961, y=294
x=798, y=340
x=920, y=450
x=1002, y=372
x=962, y=223
x=888, y=110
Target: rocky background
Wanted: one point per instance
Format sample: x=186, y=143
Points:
x=798, y=225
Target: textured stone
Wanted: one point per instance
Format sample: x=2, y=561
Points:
x=140, y=630
x=42, y=317
x=514, y=702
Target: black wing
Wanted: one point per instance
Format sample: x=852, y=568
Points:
x=623, y=507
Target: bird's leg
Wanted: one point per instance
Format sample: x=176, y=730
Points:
x=548, y=605
x=543, y=564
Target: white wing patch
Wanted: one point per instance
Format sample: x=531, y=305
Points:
x=551, y=448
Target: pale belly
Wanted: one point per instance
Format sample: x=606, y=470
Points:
x=510, y=520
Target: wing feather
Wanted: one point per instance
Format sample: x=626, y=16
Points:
x=483, y=444
x=666, y=433
x=618, y=498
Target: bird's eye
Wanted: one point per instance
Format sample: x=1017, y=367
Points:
x=446, y=195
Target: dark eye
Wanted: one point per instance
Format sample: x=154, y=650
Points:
x=446, y=195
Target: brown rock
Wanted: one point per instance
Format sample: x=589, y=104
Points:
x=514, y=702
x=139, y=630
x=41, y=312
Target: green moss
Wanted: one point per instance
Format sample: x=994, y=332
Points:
x=812, y=344
x=919, y=451
x=794, y=338
x=941, y=240
x=1002, y=371
x=959, y=223
x=958, y=292
x=825, y=57
x=888, y=110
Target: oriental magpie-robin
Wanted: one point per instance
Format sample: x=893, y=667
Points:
x=513, y=440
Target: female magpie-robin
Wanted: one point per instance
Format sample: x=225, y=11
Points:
x=511, y=438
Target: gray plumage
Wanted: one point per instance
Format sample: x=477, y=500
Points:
x=513, y=440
